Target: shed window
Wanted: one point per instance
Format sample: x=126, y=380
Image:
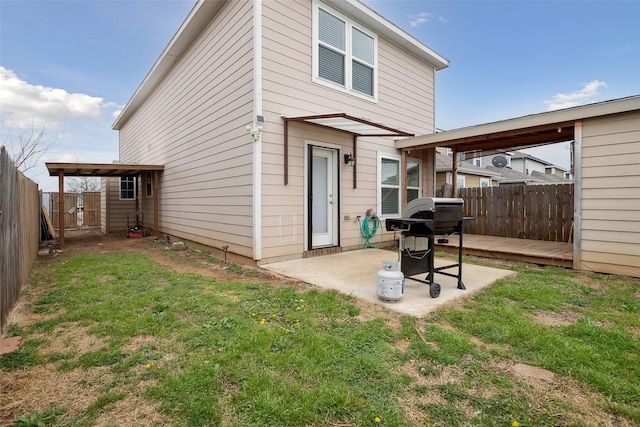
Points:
x=127, y=188
x=149, y=184
x=345, y=54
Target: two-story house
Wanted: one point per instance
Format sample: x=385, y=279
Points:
x=275, y=122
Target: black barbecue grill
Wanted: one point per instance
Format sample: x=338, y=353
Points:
x=423, y=219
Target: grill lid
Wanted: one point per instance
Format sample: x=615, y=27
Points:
x=428, y=204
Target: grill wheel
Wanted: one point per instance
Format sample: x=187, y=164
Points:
x=434, y=290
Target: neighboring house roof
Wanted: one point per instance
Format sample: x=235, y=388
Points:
x=523, y=155
x=508, y=175
x=202, y=12
x=527, y=131
x=549, y=177
x=445, y=164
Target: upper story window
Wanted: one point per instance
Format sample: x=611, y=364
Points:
x=344, y=53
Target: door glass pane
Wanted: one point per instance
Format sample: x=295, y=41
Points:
x=319, y=195
x=411, y=194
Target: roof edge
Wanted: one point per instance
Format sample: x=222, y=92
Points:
x=390, y=30
x=198, y=18
x=572, y=114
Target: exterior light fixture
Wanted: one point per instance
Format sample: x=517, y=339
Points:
x=349, y=159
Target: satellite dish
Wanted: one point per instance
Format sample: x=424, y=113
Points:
x=499, y=161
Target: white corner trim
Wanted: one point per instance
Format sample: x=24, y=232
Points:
x=257, y=145
x=577, y=195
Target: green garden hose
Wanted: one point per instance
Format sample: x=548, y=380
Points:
x=368, y=230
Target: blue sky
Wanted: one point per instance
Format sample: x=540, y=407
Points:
x=71, y=65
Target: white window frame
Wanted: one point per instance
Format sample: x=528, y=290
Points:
x=120, y=189
x=349, y=58
x=461, y=179
x=401, y=196
x=485, y=181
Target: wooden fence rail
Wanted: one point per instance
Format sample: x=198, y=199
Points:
x=19, y=232
x=535, y=212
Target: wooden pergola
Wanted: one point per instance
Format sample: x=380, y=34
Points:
x=103, y=170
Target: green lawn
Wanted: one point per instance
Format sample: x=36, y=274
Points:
x=184, y=349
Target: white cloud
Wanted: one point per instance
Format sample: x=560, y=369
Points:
x=424, y=17
x=26, y=105
x=583, y=96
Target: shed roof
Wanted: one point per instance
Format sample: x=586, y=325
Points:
x=521, y=132
x=100, y=169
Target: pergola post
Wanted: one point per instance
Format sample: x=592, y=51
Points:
x=156, y=208
x=454, y=173
x=405, y=175
x=61, y=208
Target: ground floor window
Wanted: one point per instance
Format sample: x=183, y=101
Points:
x=127, y=188
x=149, y=185
x=390, y=183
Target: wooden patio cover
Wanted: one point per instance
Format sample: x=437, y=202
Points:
x=102, y=170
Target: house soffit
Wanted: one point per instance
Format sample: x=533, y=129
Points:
x=354, y=125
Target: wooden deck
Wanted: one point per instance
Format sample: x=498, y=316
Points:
x=533, y=251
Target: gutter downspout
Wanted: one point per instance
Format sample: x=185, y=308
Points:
x=257, y=147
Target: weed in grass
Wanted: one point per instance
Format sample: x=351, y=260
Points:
x=103, y=403
x=27, y=355
x=14, y=330
x=40, y=419
x=101, y=357
x=445, y=415
x=452, y=392
x=234, y=269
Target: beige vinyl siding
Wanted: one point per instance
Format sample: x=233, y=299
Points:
x=104, y=205
x=116, y=210
x=194, y=123
x=405, y=100
x=611, y=194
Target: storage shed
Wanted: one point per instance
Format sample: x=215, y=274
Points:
x=605, y=137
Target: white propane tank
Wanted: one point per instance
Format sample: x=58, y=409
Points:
x=390, y=282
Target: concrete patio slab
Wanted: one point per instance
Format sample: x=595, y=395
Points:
x=354, y=273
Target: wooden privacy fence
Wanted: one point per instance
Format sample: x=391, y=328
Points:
x=70, y=210
x=80, y=209
x=535, y=212
x=90, y=208
x=19, y=232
